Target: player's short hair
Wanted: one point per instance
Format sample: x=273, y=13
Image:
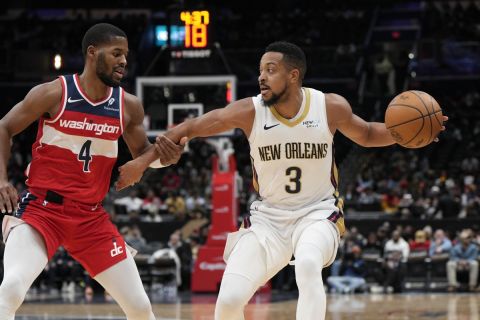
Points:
x=100, y=33
x=293, y=55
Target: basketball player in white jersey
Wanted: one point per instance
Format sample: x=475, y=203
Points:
x=290, y=130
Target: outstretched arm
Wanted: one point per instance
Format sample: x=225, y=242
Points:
x=366, y=134
x=239, y=114
x=137, y=141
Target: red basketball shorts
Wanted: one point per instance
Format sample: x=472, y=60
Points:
x=84, y=230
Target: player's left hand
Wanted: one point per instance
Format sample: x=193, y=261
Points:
x=129, y=174
x=445, y=119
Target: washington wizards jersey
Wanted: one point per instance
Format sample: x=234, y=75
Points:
x=76, y=149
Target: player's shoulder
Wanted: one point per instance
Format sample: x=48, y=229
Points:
x=133, y=109
x=131, y=100
x=338, y=108
x=242, y=105
x=335, y=100
x=246, y=102
x=48, y=91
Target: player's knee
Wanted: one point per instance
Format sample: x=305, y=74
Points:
x=139, y=309
x=13, y=291
x=308, y=270
x=232, y=298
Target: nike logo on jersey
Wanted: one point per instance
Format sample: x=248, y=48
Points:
x=70, y=100
x=265, y=127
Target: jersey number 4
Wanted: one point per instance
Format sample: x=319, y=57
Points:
x=295, y=173
x=84, y=155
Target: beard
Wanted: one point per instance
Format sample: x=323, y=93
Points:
x=275, y=98
x=102, y=72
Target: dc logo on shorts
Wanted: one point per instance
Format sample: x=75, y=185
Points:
x=116, y=250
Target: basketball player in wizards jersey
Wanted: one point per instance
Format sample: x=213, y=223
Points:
x=81, y=118
x=290, y=130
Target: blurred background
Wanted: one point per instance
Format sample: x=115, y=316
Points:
x=411, y=214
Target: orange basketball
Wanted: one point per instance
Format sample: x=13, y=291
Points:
x=414, y=119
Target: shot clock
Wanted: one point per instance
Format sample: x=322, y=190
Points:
x=184, y=30
x=196, y=28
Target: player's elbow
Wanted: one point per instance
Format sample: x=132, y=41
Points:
x=364, y=139
x=4, y=132
x=363, y=143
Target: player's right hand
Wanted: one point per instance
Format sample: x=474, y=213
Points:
x=8, y=197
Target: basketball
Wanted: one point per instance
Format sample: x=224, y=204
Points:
x=414, y=119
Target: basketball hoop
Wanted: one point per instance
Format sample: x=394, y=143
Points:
x=224, y=148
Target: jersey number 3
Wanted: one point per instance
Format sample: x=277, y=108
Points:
x=295, y=173
x=84, y=155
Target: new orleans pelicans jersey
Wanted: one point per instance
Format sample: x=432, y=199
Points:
x=75, y=150
x=293, y=160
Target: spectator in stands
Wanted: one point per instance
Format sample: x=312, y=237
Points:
x=463, y=257
x=368, y=200
x=390, y=202
x=63, y=272
x=382, y=234
x=171, y=181
x=356, y=237
x=449, y=203
x=395, y=257
x=352, y=273
x=470, y=201
x=184, y=253
x=470, y=164
x=440, y=245
x=405, y=206
x=421, y=242
x=476, y=234
x=373, y=245
x=384, y=75
x=176, y=205
x=132, y=203
x=133, y=236
x=195, y=202
x=151, y=205
x=407, y=232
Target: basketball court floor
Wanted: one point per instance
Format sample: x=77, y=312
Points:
x=271, y=307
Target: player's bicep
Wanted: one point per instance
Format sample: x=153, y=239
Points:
x=340, y=114
x=238, y=114
x=136, y=139
x=134, y=132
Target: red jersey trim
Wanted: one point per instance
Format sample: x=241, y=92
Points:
x=63, y=101
x=84, y=94
x=122, y=118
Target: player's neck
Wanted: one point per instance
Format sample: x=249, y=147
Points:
x=289, y=107
x=92, y=85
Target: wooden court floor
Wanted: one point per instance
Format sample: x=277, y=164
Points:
x=339, y=307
